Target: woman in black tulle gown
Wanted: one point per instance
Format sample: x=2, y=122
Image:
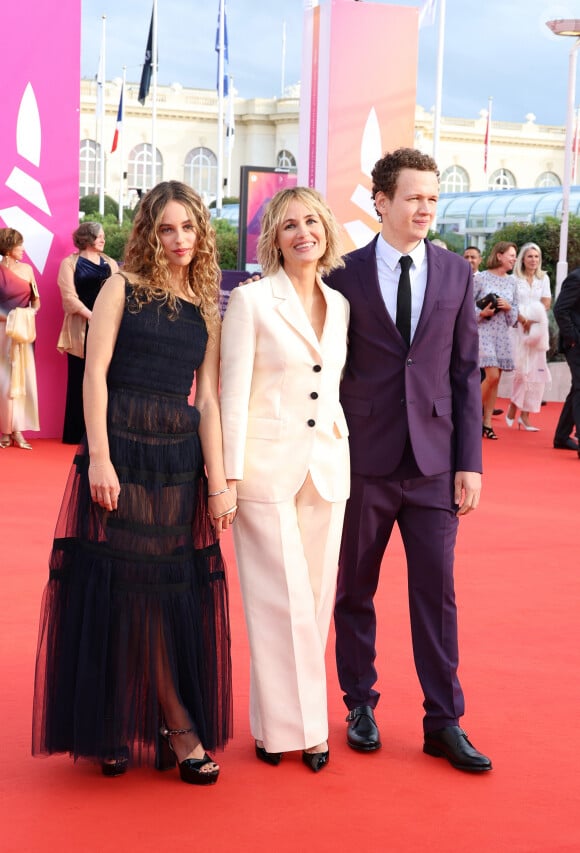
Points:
x=134, y=645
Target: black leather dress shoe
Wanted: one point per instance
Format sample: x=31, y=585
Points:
x=362, y=732
x=452, y=743
x=497, y=412
x=569, y=444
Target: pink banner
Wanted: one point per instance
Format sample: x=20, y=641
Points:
x=359, y=76
x=39, y=164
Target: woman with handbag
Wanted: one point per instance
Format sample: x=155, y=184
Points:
x=497, y=311
x=80, y=278
x=18, y=391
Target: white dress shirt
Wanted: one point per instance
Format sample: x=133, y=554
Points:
x=389, y=271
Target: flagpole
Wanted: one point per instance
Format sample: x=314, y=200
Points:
x=230, y=140
x=576, y=141
x=122, y=147
x=154, y=102
x=220, y=122
x=283, y=78
x=101, y=117
x=487, y=139
x=439, y=80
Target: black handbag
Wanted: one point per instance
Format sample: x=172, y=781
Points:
x=487, y=300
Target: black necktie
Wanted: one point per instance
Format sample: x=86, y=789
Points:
x=403, y=321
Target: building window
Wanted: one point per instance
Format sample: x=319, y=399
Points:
x=89, y=172
x=548, y=179
x=285, y=160
x=139, y=168
x=502, y=179
x=200, y=172
x=454, y=180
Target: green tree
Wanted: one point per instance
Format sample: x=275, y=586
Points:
x=89, y=205
x=227, y=244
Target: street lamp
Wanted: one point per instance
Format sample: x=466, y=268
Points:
x=567, y=27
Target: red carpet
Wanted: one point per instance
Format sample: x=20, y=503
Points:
x=518, y=587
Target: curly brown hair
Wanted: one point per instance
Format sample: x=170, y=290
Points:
x=146, y=258
x=86, y=234
x=386, y=171
x=9, y=239
x=268, y=254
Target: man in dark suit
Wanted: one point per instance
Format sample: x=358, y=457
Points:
x=412, y=399
x=567, y=314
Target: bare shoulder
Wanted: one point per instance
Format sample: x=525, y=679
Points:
x=26, y=271
x=113, y=290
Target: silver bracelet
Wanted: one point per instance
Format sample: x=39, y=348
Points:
x=227, y=512
x=221, y=492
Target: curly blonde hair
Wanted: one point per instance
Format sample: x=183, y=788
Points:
x=268, y=253
x=145, y=256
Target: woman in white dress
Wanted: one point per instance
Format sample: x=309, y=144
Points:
x=531, y=336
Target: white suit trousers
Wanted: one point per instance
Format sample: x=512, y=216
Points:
x=287, y=556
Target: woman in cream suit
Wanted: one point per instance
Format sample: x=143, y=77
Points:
x=286, y=447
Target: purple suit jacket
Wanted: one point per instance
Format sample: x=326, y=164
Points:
x=430, y=392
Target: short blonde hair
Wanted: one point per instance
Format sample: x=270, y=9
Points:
x=268, y=253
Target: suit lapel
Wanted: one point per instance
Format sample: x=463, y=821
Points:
x=371, y=289
x=432, y=290
x=291, y=310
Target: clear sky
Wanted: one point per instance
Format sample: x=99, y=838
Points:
x=497, y=48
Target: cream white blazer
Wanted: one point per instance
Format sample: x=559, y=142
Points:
x=280, y=409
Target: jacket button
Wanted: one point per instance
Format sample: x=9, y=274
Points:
x=409, y=362
x=311, y=422
x=317, y=368
x=314, y=395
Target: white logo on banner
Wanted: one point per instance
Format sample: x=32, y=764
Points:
x=370, y=151
x=28, y=146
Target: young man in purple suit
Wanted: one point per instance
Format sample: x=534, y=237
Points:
x=412, y=398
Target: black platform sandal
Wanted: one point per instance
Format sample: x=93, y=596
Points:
x=190, y=769
x=116, y=764
x=487, y=432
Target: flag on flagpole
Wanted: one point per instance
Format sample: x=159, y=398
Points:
x=230, y=119
x=427, y=13
x=217, y=49
x=118, y=125
x=487, y=138
x=145, y=84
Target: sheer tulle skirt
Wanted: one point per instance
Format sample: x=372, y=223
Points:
x=134, y=622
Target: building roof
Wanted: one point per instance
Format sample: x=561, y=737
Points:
x=485, y=212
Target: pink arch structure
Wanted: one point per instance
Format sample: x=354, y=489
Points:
x=39, y=163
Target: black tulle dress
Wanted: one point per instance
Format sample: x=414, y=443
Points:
x=135, y=612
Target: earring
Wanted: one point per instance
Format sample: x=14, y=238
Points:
x=279, y=254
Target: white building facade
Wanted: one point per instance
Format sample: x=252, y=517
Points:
x=520, y=155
